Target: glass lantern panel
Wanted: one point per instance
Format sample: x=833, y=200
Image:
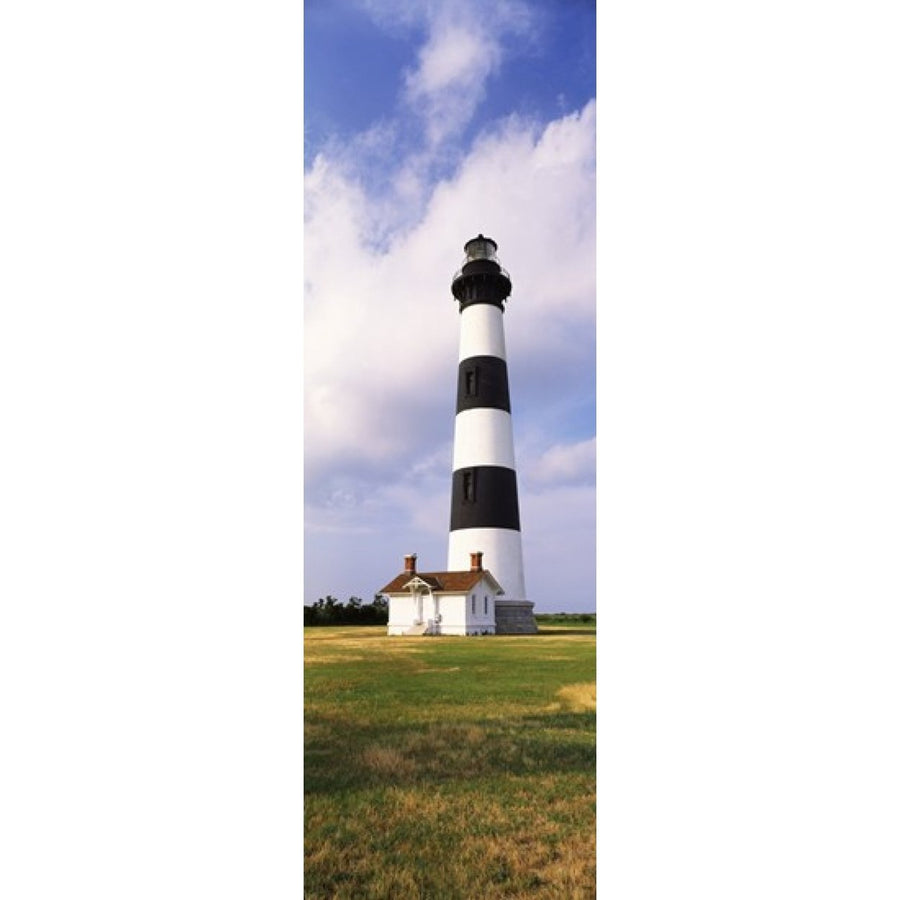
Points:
x=480, y=250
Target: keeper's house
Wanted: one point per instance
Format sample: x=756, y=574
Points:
x=442, y=602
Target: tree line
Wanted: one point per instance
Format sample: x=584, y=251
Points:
x=330, y=611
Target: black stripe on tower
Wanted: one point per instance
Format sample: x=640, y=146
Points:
x=481, y=281
x=483, y=382
x=484, y=497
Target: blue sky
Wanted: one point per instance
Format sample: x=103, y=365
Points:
x=426, y=123
x=355, y=66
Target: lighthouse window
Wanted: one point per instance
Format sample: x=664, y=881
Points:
x=472, y=382
x=469, y=486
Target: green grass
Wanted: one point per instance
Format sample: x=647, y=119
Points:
x=449, y=767
x=572, y=619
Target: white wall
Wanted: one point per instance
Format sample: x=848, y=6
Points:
x=401, y=613
x=481, y=332
x=483, y=437
x=502, y=548
x=455, y=611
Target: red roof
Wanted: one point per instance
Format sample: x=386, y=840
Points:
x=447, y=582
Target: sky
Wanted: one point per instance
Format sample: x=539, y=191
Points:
x=424, y=125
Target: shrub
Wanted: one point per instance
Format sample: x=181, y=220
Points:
x=330, y=611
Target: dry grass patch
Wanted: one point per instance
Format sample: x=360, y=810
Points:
x=388, y=762
x=578, y=697
x=426, y=752
x=332, y=658
x=458, y=843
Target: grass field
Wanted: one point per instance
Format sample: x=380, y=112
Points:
x=449, y=767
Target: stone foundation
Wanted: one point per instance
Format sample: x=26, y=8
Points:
x=514, y=617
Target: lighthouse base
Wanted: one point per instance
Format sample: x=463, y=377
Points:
x=514, y=617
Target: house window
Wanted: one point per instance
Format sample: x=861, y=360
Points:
x=485, y=604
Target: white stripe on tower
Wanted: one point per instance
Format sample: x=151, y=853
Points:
x=483, y=437
x=482, y=333
x=484, y=507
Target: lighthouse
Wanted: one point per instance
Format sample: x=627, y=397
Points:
x=484, y=507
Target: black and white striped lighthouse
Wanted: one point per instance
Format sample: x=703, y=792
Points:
x=484, y=509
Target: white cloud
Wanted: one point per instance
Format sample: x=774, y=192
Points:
x=381, y=327
x=455, y=57
x=449, y=83
x=465, y=44
x=566, y=464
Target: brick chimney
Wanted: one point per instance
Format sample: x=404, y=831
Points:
x=410, y=563
x=475, y=564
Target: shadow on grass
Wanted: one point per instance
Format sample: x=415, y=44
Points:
x=550, y=631
x=337, y=758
